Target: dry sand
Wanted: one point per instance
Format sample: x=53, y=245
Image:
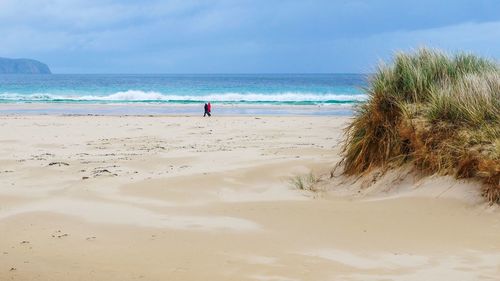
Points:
x=187, y=198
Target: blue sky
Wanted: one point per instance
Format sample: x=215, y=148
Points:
x=240, y=36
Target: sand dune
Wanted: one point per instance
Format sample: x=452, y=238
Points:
x=186, y=198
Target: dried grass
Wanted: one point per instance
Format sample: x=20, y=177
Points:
x=440, y=112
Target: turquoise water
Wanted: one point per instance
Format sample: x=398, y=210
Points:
x=261, y=89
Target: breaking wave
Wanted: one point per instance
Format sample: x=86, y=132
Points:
x=144, y=96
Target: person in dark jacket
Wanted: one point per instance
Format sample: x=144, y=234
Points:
x=207, y=109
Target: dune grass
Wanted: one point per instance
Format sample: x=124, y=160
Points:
x=439, y=112
x=305, y=182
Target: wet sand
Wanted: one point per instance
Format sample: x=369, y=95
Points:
x=190, y=198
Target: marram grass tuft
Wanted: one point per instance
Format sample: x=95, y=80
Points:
x=439, y=112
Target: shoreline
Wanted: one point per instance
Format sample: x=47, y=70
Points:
x=172, y=109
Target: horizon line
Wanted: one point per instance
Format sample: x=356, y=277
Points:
x=195, y=73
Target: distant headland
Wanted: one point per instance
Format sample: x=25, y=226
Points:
x=23, y=66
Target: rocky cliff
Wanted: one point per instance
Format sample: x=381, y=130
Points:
x=22, y=66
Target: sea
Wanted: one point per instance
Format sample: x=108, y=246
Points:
x=323, y=94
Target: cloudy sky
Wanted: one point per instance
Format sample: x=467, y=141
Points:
x=239, y=36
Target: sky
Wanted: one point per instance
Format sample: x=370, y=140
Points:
x=240, y=36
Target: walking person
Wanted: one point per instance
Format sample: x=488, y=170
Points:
x=206, y=107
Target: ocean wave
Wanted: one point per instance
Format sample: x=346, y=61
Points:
x=144, y=96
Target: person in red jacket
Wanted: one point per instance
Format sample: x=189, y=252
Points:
x=209, y=109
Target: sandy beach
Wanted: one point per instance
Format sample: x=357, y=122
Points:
x=191, y=198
